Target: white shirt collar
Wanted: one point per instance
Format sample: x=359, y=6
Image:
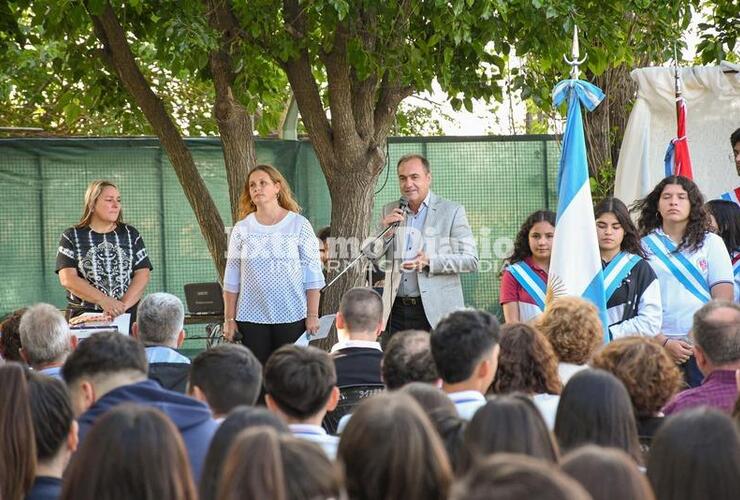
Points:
x=345, y=344
x=307, y=429
x=466, y=396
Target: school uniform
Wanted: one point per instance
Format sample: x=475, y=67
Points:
x=524, y=282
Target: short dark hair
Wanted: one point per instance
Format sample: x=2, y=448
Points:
x=460, y=341
x=414, y=156
x=595, y=408
x=719, y=338
x=507, y=476
x=229, y=375
x=509, y=424
x=695, y=454
x=52, y=414
x=300, y=379
x=324, y=233
x=607, y=473
x=362, y=309
x=105, y=353
x=735, y=137
x=408, y=358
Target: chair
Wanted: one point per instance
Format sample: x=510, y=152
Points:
x=349, y=397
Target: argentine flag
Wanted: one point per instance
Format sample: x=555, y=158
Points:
x=575, y=265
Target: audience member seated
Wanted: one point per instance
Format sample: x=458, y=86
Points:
x=159, y=325
x=574, y=329
x=55, y=431
x=527, y=364
x=288, y=468
x=444, y=417
x=649, y=375
x=109, y=369
x=300, y=387
x=508, y=424
x=716, y=336
x=10, y=338
x=465, y=349
x=38, y=433
x=507, y=476
x=46, y=340
x=595, y=409
x=390, y=450
x=224, y=377
x=607, y=474
x=131, y=452
x=696, y=454
x=408, y=358
x=239, y=419
x=357, y=355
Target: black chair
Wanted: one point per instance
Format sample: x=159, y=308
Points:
x=349, y=397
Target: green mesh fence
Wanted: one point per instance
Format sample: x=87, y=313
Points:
x=499, y=180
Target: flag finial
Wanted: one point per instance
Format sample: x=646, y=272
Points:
x=575, y=72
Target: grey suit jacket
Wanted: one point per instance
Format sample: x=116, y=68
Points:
x=448, y=242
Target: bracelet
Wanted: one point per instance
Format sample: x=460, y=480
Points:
x=312, y=316
x=228, y=320
x=666, y=341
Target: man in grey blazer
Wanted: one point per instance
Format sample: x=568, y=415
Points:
x=425, y=254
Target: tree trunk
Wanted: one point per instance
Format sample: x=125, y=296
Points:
x=117, y=54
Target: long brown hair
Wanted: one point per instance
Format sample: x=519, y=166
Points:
x=93, y=192
x=131, y=452
x=17, y=443
x=285, y=195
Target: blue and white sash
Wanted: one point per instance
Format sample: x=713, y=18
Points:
x=736, y=263
x=618, y=269
x=682, y=268
x=530, y=281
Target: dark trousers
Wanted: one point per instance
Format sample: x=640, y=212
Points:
x=691, y=373
x=406, y=314
x=264, y=339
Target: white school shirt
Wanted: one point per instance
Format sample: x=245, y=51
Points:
x=679, y=304
x=271, y=267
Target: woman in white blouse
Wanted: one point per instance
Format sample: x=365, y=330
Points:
x=273, y=271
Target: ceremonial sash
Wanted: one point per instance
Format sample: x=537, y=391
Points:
x=733, y=196
x=617, y=270
x=736, y=263
x=530, y=281
x=682, y=269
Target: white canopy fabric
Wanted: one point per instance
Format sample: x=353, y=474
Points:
x=712, y=95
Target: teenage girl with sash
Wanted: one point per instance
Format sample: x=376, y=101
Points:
x=724, y=219
x=691, y=262
x=632, y=289
x=524, y=280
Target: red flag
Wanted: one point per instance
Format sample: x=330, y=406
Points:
x=681, y=158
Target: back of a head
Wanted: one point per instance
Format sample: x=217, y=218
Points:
x=300, y=380
x=526, y=363
x=595, y=408
x=390, y=450
x=239, y=419
x=516, y=477
x=160, y=318
x=716, y=330
x=17, y=443
x=10, y=337
x=131, y=452
x=229, y=375
x=460, y=341
x=103, y=354
x=646, y=370
x=362, y=309
x=509, y=424
x=431, y=399
x=607, y=474
x=45, y=335
x=408, y=358
x=289, y=468
x=573, y=327
x=51, y=413
x=695, y=454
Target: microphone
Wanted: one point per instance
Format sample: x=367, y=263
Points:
x=403, y=204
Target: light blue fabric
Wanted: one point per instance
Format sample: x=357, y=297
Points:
x=162, y=354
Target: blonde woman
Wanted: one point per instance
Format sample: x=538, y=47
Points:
x=102, y=262
x=273, y=270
